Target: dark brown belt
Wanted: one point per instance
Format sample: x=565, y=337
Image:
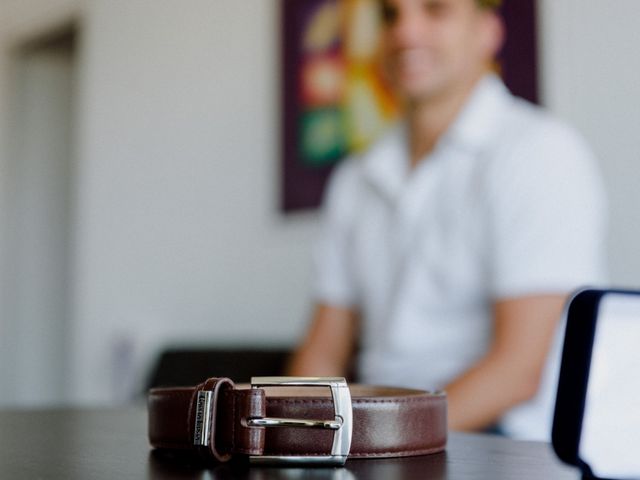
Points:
x=224, y=420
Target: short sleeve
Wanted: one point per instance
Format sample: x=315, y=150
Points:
x=333, y=274
x=548, y=215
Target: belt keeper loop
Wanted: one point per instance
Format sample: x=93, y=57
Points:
x=205, y=418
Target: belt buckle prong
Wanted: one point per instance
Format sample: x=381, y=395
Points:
x=341, y=424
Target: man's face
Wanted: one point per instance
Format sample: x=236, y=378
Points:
x=433, y=46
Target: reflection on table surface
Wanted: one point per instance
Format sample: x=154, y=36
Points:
x=165, y=465
x=74, y=444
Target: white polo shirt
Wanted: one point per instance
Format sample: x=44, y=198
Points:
x=508, y=203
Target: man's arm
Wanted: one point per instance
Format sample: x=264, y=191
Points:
x=510, y=372
x=328, y=346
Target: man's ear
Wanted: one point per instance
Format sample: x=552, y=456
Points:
x=493, y=34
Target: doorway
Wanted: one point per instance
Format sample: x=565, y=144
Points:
x=38, y=222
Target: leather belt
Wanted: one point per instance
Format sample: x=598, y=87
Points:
x=224, y=420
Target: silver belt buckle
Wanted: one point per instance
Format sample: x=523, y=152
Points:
x=342, y=423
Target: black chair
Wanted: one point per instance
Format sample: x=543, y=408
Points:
x=190, y=366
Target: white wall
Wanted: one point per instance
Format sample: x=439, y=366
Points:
x=179, y=238
x=591, y=76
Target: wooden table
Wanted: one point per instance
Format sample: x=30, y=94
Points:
x=112, y=444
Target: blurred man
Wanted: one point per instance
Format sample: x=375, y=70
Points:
x=448, y=249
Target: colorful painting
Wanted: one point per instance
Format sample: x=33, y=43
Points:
x=334, y=95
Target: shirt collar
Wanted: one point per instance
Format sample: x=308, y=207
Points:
x=386, y=164
x=480, y=118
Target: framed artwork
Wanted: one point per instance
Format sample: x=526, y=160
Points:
x=334, y=98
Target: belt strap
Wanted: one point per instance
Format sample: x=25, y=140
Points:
x=387, y=422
